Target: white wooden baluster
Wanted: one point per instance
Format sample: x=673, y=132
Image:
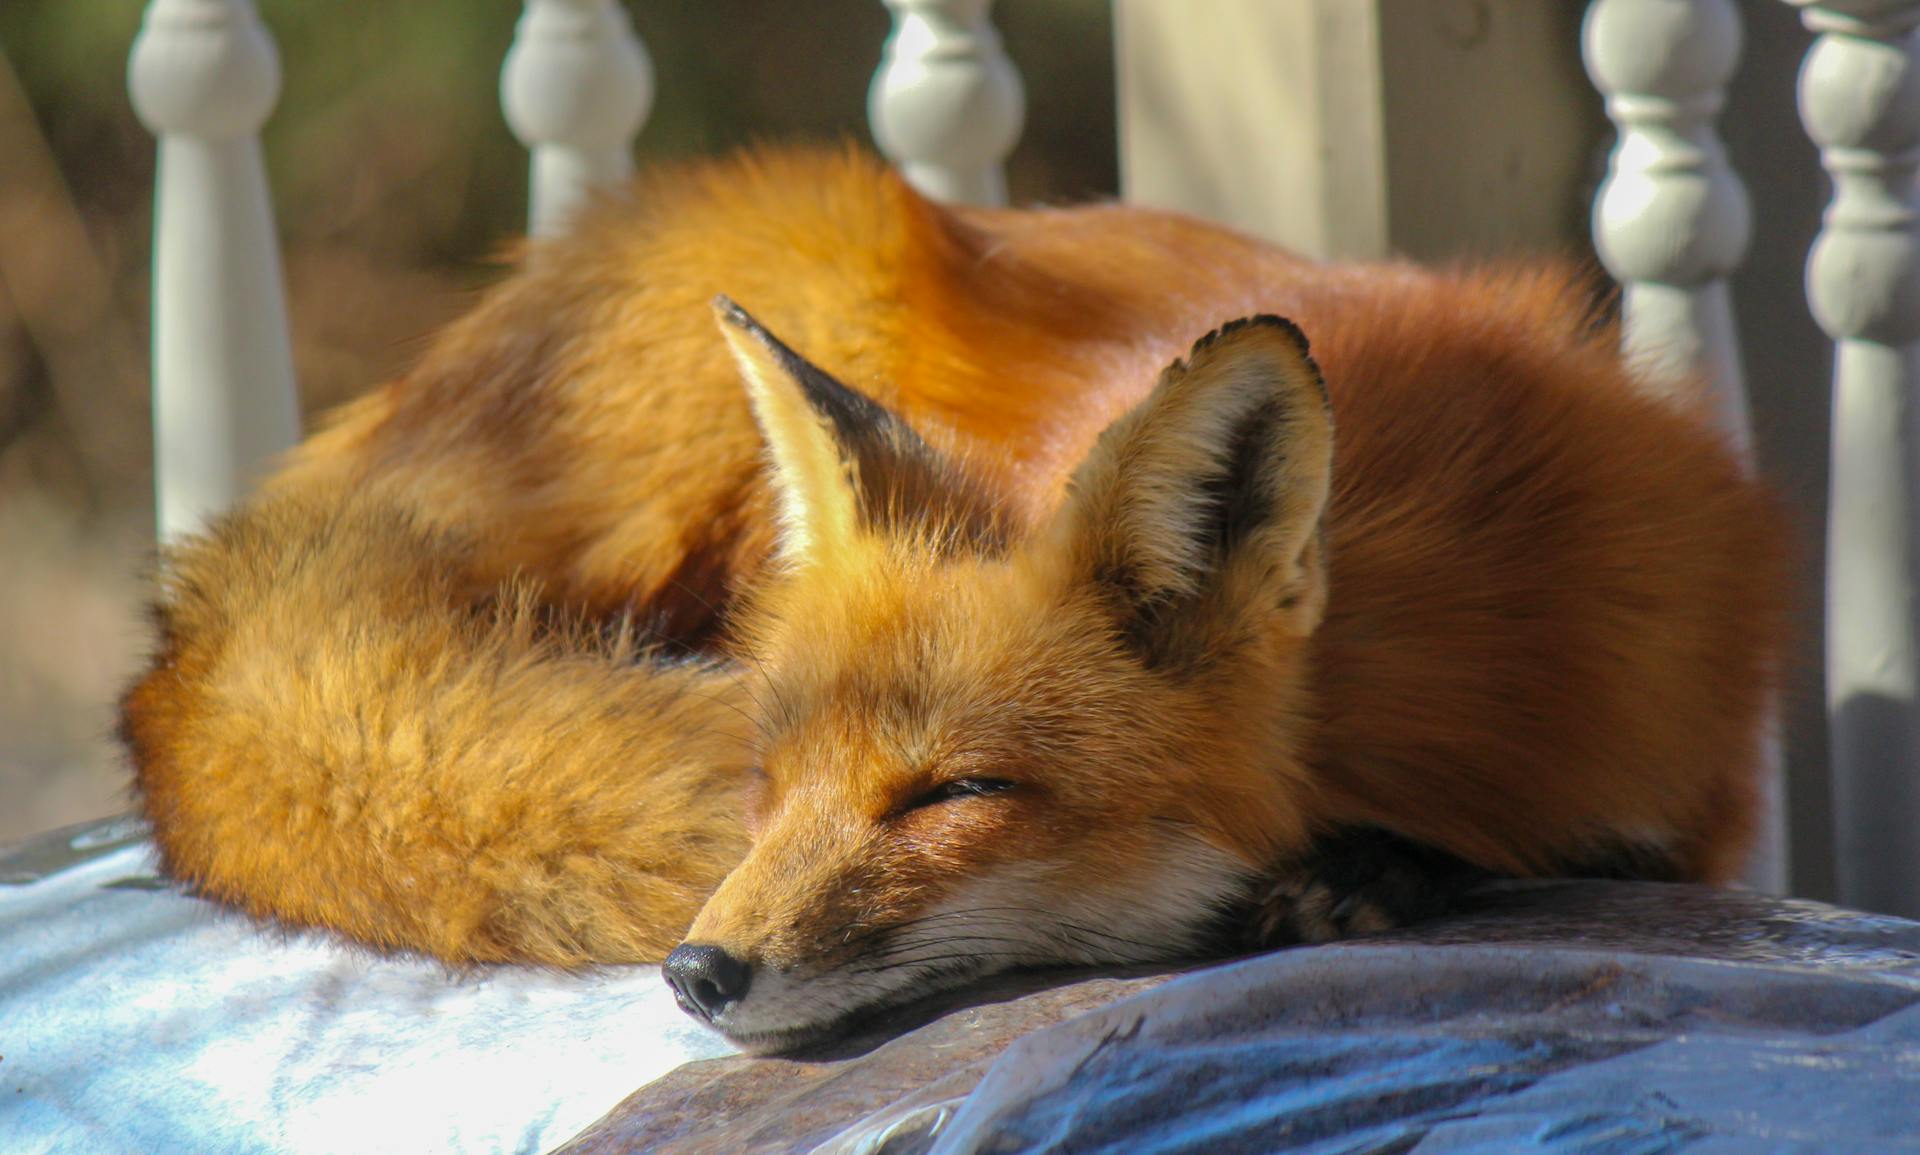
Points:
x=204, y=76
x=1672, y=220
x=1860, y=102
x=576, y=86
x=947, y=105
x=1671, y=223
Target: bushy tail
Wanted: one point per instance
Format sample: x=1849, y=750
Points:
x=346, y=729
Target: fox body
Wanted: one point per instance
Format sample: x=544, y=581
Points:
x=941, y=606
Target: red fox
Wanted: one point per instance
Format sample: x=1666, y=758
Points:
x=965, y=589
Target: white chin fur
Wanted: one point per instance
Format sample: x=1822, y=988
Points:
x=1009, y=918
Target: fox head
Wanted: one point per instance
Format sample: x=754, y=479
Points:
x=987, y=745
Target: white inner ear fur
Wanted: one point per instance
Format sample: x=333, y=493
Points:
x=1142, y=495
x=816, y=504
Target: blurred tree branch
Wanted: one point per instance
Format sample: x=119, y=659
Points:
x=61, y=293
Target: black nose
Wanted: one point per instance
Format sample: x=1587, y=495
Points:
x=705, y=979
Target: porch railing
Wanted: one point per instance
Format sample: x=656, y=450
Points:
x=1671, y=223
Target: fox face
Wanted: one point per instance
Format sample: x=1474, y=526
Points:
x=986, y=745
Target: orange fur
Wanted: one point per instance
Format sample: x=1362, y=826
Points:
x=1536, y=618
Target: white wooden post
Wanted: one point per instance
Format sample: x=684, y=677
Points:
x=1358, y=129
x=1860, y=102
x=947, y=105
x=576, y=86
x=1671, y=223
x=204, y=76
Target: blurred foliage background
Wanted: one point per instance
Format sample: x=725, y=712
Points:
x=395, y=181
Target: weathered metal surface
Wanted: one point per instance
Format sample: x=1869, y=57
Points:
x=1578, y=1016
x=740, y=1105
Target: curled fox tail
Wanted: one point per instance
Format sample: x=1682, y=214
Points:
x=343, y=729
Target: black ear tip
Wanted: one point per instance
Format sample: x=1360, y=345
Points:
x=1268, y=321
x=729, y=310
x=1271, y=323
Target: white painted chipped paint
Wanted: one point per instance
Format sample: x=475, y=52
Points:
x=204, y=76
x=947, y=105
x=576, y=87
x=1860, y=102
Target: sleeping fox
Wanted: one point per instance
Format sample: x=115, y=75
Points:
x=840, y=597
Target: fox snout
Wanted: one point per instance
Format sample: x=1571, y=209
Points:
x=706, y=980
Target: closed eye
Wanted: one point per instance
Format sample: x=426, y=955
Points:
x=957, y=789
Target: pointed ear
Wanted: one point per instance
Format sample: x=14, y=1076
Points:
x=841, y=463
x=1203, y=505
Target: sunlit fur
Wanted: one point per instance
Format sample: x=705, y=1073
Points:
x=1503, y=601
x=339, y=733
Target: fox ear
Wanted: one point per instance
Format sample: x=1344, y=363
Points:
x=1203, y=505
x=841, y=463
